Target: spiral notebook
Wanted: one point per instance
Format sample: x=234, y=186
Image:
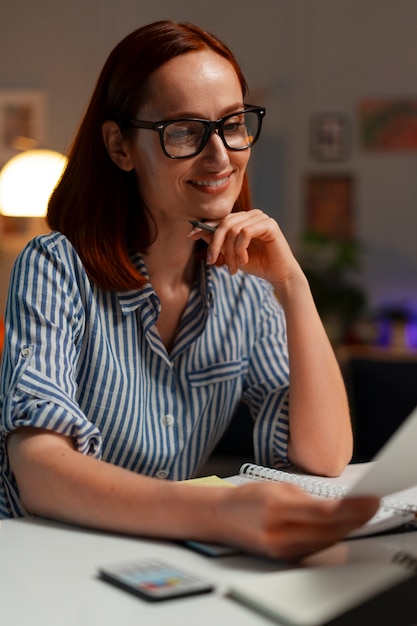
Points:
x=391, y=476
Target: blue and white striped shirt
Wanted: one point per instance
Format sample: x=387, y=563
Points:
x=90, y=364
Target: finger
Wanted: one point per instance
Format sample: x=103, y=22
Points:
x=323, y=526
x=358, y=509
x=240, y=230
x=200, y=233
x=233, y=236
x=249, y=235
x=347, y=511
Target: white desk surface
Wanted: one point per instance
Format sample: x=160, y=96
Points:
x=48, y=577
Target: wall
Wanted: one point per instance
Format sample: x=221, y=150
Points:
x=351, y=50
x=300, y=57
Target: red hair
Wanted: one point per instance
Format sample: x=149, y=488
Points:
x=96, y=205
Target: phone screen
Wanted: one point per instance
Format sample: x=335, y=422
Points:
x=154, y=580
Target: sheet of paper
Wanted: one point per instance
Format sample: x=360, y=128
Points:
x=395, y=466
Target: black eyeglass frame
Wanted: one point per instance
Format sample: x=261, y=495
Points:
x=210, y=127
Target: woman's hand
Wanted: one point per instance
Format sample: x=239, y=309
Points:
x=276, y=520
x=281, y=521
x=320, y=439
x=251, y=241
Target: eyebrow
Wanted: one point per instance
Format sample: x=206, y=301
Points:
x=191, y=114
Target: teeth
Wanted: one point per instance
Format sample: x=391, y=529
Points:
x=210, y=183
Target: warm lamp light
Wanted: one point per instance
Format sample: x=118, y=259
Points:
x=27, y=182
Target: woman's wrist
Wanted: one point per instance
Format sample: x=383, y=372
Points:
x=292, y=287
x=201, y=511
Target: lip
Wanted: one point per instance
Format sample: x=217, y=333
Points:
x=211, y=184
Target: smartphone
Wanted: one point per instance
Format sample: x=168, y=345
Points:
x=154, y=580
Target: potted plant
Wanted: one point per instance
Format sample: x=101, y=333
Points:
x=330, y=265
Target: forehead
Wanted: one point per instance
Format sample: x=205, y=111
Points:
x=192, y=82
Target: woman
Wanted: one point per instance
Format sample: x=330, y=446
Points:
x=132, y=337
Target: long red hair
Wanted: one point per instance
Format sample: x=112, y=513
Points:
x=96, y=205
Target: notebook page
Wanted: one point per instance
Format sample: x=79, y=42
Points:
x=394, y=468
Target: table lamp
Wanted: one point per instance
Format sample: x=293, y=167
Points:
x=27, y=181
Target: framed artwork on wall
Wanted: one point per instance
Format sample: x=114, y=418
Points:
x=22, y=121
x=329, y=137
x=22, y=127
x=329, y=205
x=388, y=124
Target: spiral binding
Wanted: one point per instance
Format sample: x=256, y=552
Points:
x=398, y=505
x=310, y=485
x=314, y=486
x=406, y=559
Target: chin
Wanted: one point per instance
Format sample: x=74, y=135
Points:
x=216, y=212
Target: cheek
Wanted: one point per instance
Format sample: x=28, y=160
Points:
x=241, y=159
x=241, y=162
x=149, y=181
x=148, y=163
x=159, y=180
x=146, y=150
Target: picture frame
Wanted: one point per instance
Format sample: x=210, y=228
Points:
x=388, y=124
x=330, y=205
x=22, y=121
x=330, y=137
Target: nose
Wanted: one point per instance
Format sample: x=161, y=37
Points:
x=215, y=149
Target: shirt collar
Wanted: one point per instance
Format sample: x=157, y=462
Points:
x=135, y=298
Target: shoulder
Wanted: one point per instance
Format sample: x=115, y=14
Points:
x=53, y=243
x=49, y=262
x=52, y=249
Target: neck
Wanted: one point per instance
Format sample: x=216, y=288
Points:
x=171, y=258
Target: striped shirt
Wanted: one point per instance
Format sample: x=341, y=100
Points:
x=90, y=365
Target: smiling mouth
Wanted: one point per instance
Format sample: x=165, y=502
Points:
x=210, y=183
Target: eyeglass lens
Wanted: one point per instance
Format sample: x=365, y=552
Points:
x=185, y=138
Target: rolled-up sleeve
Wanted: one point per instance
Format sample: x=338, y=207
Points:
x=34, y=400
x=44, y=321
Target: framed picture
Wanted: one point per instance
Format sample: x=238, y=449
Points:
x=388, y=124
x=22, y=121
x=329, y=137
x=329, y=205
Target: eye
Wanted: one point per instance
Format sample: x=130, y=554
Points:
x=183, y=133
x=234, y=125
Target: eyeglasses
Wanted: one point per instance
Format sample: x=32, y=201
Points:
x=186, y=137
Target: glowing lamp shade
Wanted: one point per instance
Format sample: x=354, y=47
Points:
x=27, y=181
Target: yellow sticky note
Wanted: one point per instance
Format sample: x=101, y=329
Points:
x=209, y=481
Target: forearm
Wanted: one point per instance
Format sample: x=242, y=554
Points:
x=320, y=426
x=56, y=481
x=279, y=521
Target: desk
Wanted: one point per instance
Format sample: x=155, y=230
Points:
x=48, y=577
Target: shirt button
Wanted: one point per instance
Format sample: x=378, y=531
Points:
x=168, y=420
x=26, y=352
x=162, y=474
